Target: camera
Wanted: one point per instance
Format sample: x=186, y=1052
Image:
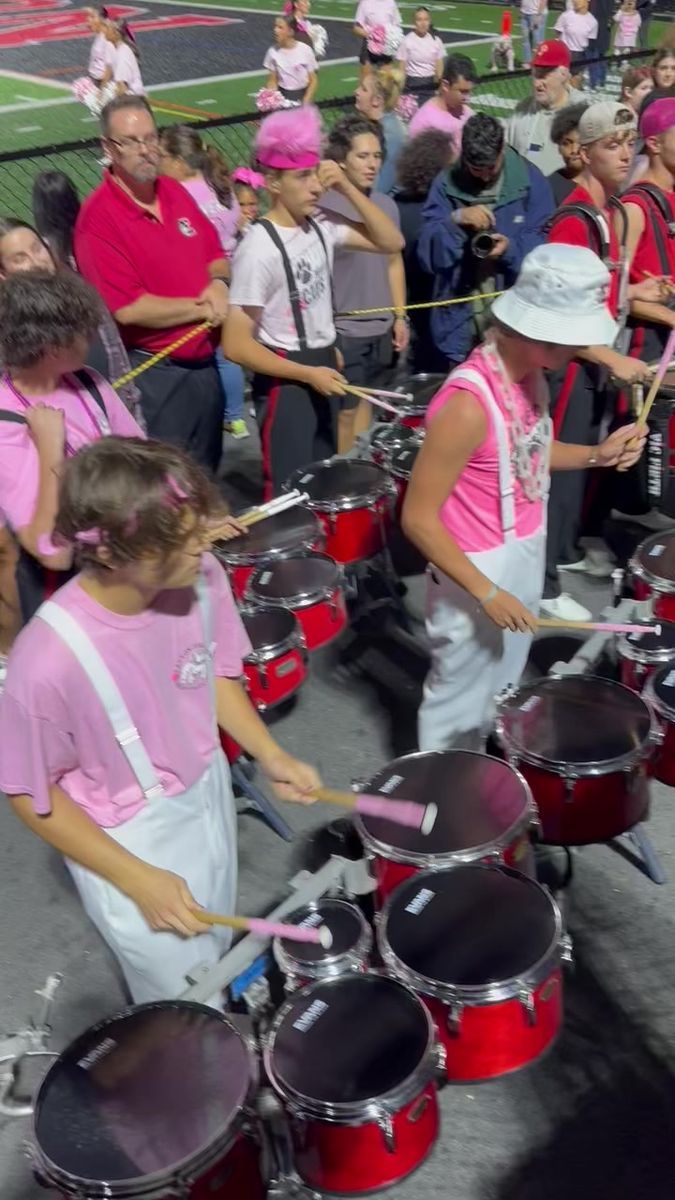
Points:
x=482, y=243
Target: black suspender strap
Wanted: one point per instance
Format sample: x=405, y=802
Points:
x=90, y=386
x=291, y=281
x=656, y=200
x=6, y=414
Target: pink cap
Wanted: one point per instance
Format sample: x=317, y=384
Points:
x=658, y=117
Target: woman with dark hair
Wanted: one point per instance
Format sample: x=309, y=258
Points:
x=422, y=54
x=419, y=162
x=291, y=64
x=203, y=172
x=636, y=83
x=126, y=70
x=102, y=53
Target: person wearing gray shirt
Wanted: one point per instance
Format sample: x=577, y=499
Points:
x=528, y=130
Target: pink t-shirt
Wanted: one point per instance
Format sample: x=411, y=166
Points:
x=472, y=511
x=19, y=463
x=54, y=730
x=101, y=56
x=126, y=69
x=626, y=35
x=377, y=12
x=292, y=66
x=420, y=55
x=576, y=29
x=431, y=116
x=224, y=219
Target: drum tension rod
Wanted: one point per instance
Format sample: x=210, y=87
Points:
x=25, y=1043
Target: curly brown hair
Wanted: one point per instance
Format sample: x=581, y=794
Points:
x=421, y=160
x=41, y=311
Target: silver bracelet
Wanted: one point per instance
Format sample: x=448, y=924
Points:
x=491, y=594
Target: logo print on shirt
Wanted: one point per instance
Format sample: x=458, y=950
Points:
x=192, y=668
x=186, y=228
x=310, y=276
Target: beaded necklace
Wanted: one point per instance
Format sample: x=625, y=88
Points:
x=531, y=468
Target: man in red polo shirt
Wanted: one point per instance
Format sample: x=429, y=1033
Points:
x=157, y=262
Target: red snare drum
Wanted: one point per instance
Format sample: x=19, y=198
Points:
x=660, y=691
x=354, y=1061
x=483, y=945
x=423, y=389
x=294, y=531
x=387, y=439
x=312, y=586
x=641, y=654
x=353, y=500
x=653, y=567
x=485, y=810
x=303, y=962
x=581, y=743
x=400, y=465
x=278, y=665
x=154, y=1102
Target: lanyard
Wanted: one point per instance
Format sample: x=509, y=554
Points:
x=98, y=426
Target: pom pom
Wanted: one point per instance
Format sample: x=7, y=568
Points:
x=392, y=40
x=83, y=88
x=268, y=100
x=376, y=38
x=406, y=108
x=319, y=39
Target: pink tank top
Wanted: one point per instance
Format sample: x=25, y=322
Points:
x=473, y=512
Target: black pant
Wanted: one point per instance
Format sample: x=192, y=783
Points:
x=297, y=425
x=182, y=403
x=367, y=361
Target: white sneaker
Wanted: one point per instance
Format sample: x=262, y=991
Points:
x=564, y=608
x=597, y=562
x=650, y=520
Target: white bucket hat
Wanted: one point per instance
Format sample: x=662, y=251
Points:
x=560, y=296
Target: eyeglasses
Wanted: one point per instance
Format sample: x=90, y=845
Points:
x=151, y=142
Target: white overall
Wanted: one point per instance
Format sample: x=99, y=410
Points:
x=472, y=659
x=193, y=834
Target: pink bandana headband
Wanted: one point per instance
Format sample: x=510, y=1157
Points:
x=276, y=160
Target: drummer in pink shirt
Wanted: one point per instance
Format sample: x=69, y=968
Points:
x=449, y=111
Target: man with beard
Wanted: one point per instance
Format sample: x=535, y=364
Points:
x=143, y=243
x=529, y=128
x=481, y=218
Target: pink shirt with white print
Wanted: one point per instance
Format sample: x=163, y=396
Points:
x=54, y=730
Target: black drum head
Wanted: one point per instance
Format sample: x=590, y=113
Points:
x=301, y=575
x=342, y=919
x=349, y=1039
x=656, y=557
x=402, y=461
x=664, y=686
x=577, y=719
x=142, y=1092
x=479, y=798
x=470, y=926
x=268, y=627
x=422, y=387
x=653, y=643
x=281, y=533
x=350, y=478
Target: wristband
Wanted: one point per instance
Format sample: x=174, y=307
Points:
x=491, y=594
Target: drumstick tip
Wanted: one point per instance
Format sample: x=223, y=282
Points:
x=657, y=630
x=325, y=937
x=429, y=818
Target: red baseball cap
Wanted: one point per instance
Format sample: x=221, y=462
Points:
x=552, y=54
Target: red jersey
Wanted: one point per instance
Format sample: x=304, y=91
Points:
x=577, y=231
x=648, y=258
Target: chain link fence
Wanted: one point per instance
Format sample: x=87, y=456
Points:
x=496, y=94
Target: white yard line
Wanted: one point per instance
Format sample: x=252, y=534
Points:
x=274, y=12
x=25, y=78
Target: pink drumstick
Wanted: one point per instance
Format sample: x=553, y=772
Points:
x=599, y=626
x=258, y=925
x=404, y=812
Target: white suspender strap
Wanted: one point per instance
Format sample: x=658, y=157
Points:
x=506, y=480
x=207, y=625
x=106, y=689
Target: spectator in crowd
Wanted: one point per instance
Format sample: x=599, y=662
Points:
x=376, y=99
x=577, y=28
x=102, y=52
x=281, y=324
x=49, y=408
x=533, y=15
x=291, y=65
x=481, y=219
x=157, y=261
x=126, y=65
x=367, y=344
x=202, y=170
x=565, y=135
x=636, y=83
x=646, y=10
x=10, y=604
x=607, y=132
x=449, y=110
x=420, y=161
x=421, y=52
x=370, y=15
x=56, y=206
x=627, y=21
x=602, y=10
x=248, y=186
x=663, y=68
x=528, y=130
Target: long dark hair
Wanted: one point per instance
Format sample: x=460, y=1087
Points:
x=180, y=141
x=56, y=205
x=423, y=8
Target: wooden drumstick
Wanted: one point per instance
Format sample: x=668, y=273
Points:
x=658, y=378
x=258, y=925
x=363, y=394
x=403, y=812
x=270, y=510
x=599, y=626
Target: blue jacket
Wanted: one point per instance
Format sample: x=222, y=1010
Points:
x=524, y=205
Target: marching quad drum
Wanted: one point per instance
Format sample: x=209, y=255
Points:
x=310, y=585
x=653, y=569
x=660, y=691
x=582, y=743
x=423, y=388
x=277, y=666
x=388, y=439
x=294, y=531
x=305, y=962
x=355, y=1063
x=353, y=500
x=484, y=946
x=641, y=655
x=485, y=813
x=152, y=1103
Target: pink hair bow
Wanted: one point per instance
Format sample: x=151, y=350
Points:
x=250, y=178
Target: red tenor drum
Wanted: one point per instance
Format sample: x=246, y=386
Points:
x=483, y=945
x=354, y=1061
x=294, y=531
x=641, y=654
x=388, y=439
x=152, y=1103
x=303, y=962
x=353, y=500
x=312, y=586
x=653, y=568
x=423, y=388
x=401, y=463
x=485, y=811
x=581, y=743
x=660, y=691
x=278, y=665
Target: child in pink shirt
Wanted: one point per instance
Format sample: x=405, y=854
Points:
x=628, y=22
x=109, y=746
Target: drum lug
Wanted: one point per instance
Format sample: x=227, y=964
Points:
x=264, y=677
x=570, y=781
x=566, y=949
x=386, y=1126
x=441, y=1056
x=454, y=1018
x=526, y=998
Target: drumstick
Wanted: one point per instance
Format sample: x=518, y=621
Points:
x=364, y=395
x=599, y=626
x=295, y=933
x=270, y=510
x=656, y=382
x=403, y=812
